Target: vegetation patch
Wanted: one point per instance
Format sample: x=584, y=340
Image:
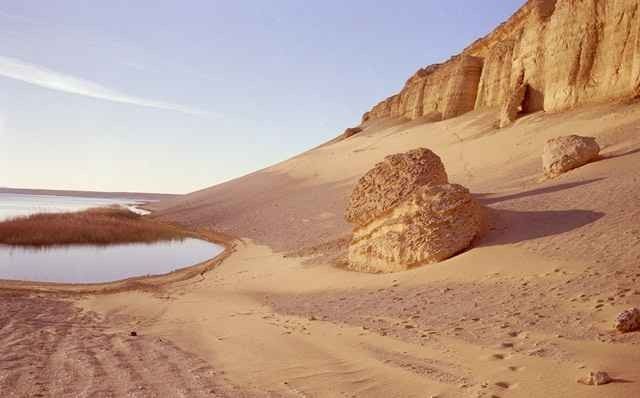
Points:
x=99, y=226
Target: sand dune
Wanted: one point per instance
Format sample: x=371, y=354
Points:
x=524, y=313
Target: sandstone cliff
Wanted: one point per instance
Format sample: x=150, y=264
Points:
x=566, y=53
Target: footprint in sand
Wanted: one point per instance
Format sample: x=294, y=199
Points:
x=506, y=385
x=497, y=357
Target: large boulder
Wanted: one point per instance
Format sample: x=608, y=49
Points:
x=391, y=181
x=432, y=224
x=565, y=153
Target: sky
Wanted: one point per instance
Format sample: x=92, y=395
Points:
x=175, y=96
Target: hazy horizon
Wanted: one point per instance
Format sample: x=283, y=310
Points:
x=177, y=96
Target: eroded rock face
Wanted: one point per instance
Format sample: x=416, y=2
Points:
x=432, y=224
x=448, y=89
x=391, y=181
x=569, y=53
x=628, y=321
x=565, y=153
x=510, y=110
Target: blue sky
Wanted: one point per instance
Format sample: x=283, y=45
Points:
x=173, y=96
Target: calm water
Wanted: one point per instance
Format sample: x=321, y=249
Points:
x=86, y=264
x=14, y=205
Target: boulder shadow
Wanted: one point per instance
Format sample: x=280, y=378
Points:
x=509, y=226
x=533, y=192
x=623, y=381
x=619, y=154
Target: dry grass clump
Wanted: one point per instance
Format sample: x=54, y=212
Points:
x=99, y=226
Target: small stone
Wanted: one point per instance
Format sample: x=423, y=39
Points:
x=595, y=379
x=133, y=333
x=628, y=321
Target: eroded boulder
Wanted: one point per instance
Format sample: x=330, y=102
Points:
x=393, y=180
x=628, y=321
x=432, y=224
x=351, y=131
x=595, y=379
x=569, y=152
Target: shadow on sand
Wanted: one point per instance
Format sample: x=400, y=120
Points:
x=533, y=192
x=508, y=226
x=619, y=154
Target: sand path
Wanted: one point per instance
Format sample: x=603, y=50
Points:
x=52, y=349
x=277, y=326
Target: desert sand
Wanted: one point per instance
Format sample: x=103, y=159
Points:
x=526, y=311
x=523, y=313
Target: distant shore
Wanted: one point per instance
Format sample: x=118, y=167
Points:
x=90, y=194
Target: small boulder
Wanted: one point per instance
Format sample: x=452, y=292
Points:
x=391, y=181
x=565, y=153
x=595, y=379
x=513, y=105
x=431, y=225
x=628, y=321
x=351, y=131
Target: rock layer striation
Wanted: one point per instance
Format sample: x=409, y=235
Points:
x=564, y=52
x=391, y=181
x=433, y=224
x=406, y=213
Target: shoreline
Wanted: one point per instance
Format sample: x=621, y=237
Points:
x=142, y=283
x=142, y=196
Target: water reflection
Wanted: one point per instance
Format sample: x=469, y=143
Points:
x=87, y=264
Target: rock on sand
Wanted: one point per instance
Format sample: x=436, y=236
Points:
x=562, y=154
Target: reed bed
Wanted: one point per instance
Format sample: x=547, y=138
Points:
x=99, y=226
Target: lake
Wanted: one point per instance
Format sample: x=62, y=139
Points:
x=91, y=264
x=15, y=205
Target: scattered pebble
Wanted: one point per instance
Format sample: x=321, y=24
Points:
x=595, y=379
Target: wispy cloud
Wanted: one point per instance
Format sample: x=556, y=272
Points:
x=15, y=17
x=40, y=76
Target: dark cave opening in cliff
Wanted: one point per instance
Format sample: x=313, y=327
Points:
x=533, y=101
